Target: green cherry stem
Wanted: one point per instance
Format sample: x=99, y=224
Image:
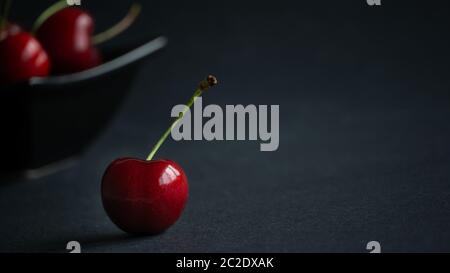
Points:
x=1, y=14
x=47, y=13
x=118, y=28
x=204, y=85
x=5, y=12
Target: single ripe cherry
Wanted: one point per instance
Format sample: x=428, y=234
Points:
x=147, y=196
x=66, y=36
x=22, y=56
x=144, y=197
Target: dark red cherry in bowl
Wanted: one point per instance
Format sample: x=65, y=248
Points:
x=21, y=57
x=144, y=197
x=67, y=37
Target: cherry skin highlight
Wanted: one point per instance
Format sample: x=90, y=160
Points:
x=9, y=29
x=22, y=56
x=144, y=197
x=67, y=37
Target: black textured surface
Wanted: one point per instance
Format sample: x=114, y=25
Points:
x=364, y=133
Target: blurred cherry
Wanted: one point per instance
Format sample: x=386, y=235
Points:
x=22, y=56
x=67, y=37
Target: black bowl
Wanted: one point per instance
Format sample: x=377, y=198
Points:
x=46, y=120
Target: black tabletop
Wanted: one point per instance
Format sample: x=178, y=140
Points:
x=364, y=149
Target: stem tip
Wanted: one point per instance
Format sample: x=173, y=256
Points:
x=210, y=81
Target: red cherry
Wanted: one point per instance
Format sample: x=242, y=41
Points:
x=67, y=37
x=144, y=197
x=22, y=57
x=148, y=196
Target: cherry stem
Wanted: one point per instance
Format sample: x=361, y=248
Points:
x=47, y=13
x=118, y=28
x=4, y=13
x=204, y=85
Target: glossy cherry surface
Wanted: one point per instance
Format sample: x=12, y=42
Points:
x=22, y=56
x=67, y=37
x=144, y=197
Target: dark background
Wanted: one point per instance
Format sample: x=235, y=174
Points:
x=364, y=131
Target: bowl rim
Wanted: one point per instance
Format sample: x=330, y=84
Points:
x=134, y=55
